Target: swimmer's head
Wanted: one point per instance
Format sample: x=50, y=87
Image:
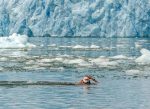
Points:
x=86, y=80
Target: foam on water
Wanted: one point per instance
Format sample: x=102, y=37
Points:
x=15, y=41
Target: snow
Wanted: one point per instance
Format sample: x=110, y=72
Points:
x=103, y=18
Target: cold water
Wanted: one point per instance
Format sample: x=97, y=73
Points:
x=121, y=65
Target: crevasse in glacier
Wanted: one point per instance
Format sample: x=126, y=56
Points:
x=103, y=18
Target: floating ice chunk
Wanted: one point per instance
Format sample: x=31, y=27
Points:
x=52, y=45
x=138, y=45
x=30, y=62
x=58, y=68
x=119, y=57
x=42, y=45
x=79, y=62
x=94, y=46
x=30, y=81
x=145, y=51
x=15, y=41
x=18, y=38
x=132, y=72
x=65, y=46
x=80, y=47
x=57, y=59
x=121, y=46
x=101, y=61
x=3, y=59
x=145, y=57
x=111, y=63
x=85, y=47
x=75, y=61
x=46, y=60
x=1, y=68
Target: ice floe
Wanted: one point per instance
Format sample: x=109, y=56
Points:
x=119, y=57
x=132, y=72
x=144, y=58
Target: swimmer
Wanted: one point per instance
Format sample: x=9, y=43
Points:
x=86, y=80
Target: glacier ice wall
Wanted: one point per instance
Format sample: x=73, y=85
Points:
x=103, y=18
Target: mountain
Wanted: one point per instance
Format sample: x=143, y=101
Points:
x=103, y=18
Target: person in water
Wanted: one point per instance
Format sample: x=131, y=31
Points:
x=86, y=80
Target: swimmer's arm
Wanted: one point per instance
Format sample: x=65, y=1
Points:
x=93, y=79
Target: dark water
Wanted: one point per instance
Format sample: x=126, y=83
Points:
x=123, y=83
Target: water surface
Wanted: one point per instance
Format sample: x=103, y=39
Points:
x=124, y=83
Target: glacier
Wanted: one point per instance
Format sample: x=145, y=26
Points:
x=95, y=18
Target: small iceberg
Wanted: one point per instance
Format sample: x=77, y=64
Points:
x=15, y=41
x=86, y=47
x=119, y=57
x=80, y=47
x=133, y=72
x=144, y=58
x=103, y=62
x=94, y=47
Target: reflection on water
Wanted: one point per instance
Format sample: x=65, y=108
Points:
x=123, y=83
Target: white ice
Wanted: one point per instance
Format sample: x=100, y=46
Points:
x=144, y=58
x=132, y=72
x=15, y=41
x=103, y=18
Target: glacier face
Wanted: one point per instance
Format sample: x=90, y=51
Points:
x=103, y=18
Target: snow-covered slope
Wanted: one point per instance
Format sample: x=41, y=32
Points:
x=103, y=18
